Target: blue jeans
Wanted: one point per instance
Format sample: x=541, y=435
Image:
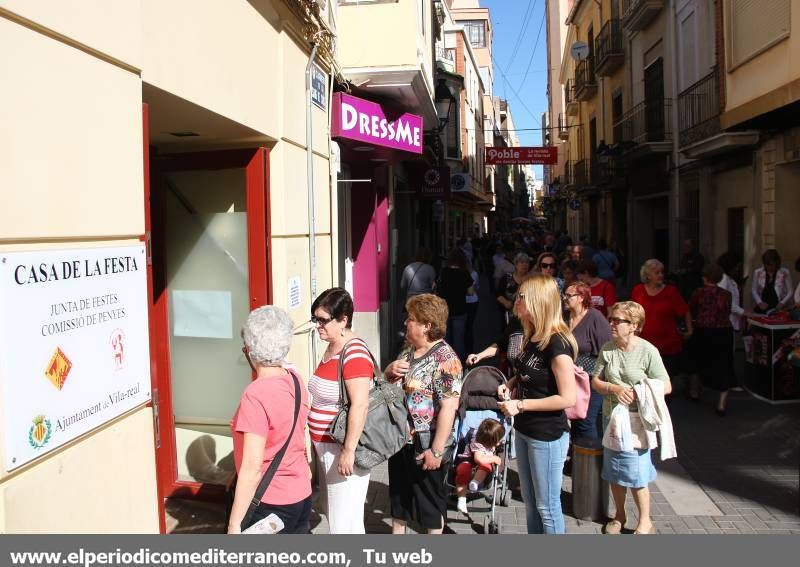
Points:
x=456, y=334
x=541, y=464
x=589, y=428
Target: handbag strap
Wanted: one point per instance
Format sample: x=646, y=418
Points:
x=276, y=461
x=344, y=399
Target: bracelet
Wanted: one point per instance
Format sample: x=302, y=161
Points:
x=608, y=388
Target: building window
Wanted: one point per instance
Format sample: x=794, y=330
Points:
x=476, y=32
x=616, y=115
x=451, y=133
x=756, y=26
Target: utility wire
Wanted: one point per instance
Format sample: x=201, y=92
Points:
x=533, y=52
x=525, y=21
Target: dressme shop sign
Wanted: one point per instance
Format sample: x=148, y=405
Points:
x=74, y=350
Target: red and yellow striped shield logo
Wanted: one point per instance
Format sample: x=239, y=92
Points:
x=58, y=369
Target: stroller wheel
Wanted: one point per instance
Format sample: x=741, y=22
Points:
x=505, y=499
x=490, y=526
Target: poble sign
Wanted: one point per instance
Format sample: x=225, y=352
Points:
x=547, y=155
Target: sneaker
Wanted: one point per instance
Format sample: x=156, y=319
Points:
x=462, y=505
x=473, y=486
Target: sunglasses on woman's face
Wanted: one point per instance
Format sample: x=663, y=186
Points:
x=321, y=321
x=547, y=266
x=617, y=321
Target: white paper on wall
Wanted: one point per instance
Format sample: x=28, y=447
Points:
x=202, y=313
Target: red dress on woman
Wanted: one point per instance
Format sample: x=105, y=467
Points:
x=661, y=313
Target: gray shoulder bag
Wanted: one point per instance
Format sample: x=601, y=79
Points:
x=386, y=427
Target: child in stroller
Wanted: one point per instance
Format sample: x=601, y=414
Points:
x=475, y=461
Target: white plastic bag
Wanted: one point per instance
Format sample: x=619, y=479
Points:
x=617, y=436
x=272, y=524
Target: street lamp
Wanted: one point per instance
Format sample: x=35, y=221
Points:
x=443, y=99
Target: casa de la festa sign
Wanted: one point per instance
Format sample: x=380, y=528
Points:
x=74, y=346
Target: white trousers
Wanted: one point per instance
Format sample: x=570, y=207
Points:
x=344, y=496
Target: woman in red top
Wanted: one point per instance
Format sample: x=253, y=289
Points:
x=711, y=348
x=663, y=306
x=603, y=293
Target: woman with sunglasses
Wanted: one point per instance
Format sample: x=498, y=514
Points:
x=546, y=382
x=343, y=483
x=547, y=265
x=625, y=361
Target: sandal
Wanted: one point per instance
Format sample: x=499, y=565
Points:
x=650, y=532
x=613, y=527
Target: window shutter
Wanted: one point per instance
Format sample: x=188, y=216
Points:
x=756, y=25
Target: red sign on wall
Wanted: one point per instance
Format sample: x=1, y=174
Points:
x=547, y=155
x=433, y=183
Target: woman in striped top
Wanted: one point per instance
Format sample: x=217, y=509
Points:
x=344, y=485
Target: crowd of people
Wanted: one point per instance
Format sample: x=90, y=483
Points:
x=559, y=306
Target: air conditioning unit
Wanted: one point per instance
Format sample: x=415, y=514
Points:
x=459, y=182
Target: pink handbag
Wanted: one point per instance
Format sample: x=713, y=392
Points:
x=583, y=393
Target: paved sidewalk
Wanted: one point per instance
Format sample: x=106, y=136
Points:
x=745, y=463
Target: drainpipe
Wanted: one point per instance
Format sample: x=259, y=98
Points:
x=312, y=235
x=674, y=171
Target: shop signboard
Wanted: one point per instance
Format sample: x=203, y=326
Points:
x=366, y=121
x=433, y=183
x=544, y=155
x=74, y=347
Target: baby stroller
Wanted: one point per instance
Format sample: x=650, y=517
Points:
x=478, y=401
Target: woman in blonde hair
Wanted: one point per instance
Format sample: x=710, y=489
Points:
x=546, y=382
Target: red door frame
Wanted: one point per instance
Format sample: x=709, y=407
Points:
x=256, y=164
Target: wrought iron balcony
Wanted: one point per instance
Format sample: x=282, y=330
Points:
x=698, y=110
x=585, y=81
x=609, y=48
x=569, y=98
x=568, y=179
x=637, y=14
x=581, y=173
x=607, y=170
x=563, y=129
x=646, y=123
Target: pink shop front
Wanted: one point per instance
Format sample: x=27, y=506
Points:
x=378, y=145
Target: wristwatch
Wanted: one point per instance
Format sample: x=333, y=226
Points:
x=520, y=407
x=437, y=454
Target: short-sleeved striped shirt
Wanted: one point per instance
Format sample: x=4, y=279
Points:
x=628, y=368
x=324, y=387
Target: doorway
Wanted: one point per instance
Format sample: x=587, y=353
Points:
x=208, y=212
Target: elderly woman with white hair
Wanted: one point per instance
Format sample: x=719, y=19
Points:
x=262, y=424
x=664, y=307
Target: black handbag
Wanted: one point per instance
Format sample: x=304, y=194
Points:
x=271, y=470
x=386, y=427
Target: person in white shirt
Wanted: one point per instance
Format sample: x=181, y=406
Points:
x=771, y=284
x=729, y=263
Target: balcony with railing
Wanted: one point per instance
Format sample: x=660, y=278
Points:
x=698, y=110
x=637, y=14
x=609, y=48
x=563, y=128
x=607, y=170
x=569, y=98
x=568, y=179
x=648, y=125
x=585, y=80
x=581, y=173
x=446, y=58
